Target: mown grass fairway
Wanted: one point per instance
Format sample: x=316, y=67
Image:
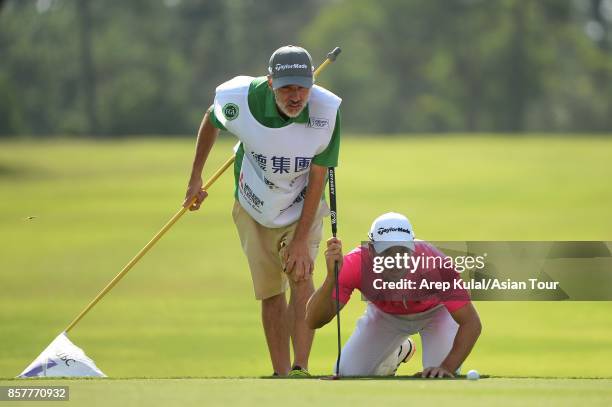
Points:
x=187, y=308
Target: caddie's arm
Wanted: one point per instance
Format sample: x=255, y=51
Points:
x=467, y=334
x=321, y=306
x=207, y=134
x=298, y=263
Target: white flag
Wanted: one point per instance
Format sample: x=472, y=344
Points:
x=62, y=358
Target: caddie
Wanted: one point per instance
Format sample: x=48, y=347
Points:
x=446, y=320
x=289, y=133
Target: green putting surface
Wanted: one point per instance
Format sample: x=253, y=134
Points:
x=73, y=213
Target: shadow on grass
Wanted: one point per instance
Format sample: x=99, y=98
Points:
x=318, y=377
x=344, y=378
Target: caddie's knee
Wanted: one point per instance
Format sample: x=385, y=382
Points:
x=302, y=287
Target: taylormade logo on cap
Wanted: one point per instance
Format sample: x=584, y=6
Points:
x=382, y=230
x=280, y=67
x=390, y=230
x=291, y=65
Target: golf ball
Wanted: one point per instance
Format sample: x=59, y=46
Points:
x=473, y=375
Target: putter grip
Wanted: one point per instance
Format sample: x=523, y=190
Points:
x=332, y=200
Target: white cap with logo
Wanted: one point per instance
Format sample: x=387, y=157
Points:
x=389, y=230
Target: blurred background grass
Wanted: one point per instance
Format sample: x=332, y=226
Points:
x=187, y=308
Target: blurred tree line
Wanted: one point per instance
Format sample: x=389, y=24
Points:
x=118, y=67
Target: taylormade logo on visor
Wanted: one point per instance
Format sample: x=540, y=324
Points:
x=282, y=67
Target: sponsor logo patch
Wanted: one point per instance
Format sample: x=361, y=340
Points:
x=318, y=123
x=250, y=196
x=230, y=111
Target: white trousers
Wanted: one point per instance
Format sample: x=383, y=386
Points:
x=378, y=336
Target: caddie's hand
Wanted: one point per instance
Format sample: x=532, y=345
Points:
x=298, y=263
x=436, y=372
x=333, y=254
x=194, y=189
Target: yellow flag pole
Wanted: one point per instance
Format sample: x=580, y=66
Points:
x=148, y=246
x=330, y=58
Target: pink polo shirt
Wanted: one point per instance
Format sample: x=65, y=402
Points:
x=351, y=278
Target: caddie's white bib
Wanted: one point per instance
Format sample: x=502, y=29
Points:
x=276, y=162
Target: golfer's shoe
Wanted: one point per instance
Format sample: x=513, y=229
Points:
x=297, y=371
x=406, y=351
x=389, y=366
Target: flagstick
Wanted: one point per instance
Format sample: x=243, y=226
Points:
x=148, y=246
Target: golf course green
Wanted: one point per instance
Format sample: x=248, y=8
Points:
x=72, y=213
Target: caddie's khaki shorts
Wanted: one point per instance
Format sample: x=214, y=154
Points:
x=264, y=248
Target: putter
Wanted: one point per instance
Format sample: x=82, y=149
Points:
x=334, y=226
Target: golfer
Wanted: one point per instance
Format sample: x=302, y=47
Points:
x=447, y=323
x=289, y=132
